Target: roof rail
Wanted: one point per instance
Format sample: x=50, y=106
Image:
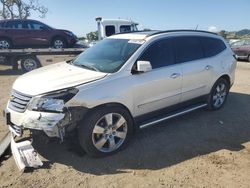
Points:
x=181, y=30
x=139, y=31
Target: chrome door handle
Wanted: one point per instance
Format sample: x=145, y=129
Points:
x=175, y=75
x=208, y=67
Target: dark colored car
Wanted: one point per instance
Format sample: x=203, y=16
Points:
x=242, y=49
x=31, y=33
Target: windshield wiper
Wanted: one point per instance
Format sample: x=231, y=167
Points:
x=90, y=67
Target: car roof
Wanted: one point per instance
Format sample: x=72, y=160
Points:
x=146, y=34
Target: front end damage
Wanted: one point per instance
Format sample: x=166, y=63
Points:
x=52, y=124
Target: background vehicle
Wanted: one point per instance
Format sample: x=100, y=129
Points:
x=108, y=27
x=31, y=33
x=122, y=83
x=242, y=49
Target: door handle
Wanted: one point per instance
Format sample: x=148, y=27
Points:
x=208, y=67
x=175, y=75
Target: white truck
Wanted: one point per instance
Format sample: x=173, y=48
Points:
x=108, y=27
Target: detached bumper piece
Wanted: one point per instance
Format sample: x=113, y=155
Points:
x=24, y=154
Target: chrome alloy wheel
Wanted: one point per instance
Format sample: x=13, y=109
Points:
x=58, y=44
x=29, y=64
x=219, y=95
x=109, y=132
x=4, y=44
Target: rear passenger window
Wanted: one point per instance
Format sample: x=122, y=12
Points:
x=14, y=25
x=2, y=24
x=159, y=54
x=212, y=46
x=188, y=49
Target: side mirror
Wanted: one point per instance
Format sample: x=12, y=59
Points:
x=143, y=66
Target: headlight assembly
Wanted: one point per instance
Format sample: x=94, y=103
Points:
x=52, y=102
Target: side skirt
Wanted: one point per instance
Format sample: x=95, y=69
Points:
x=172, y=115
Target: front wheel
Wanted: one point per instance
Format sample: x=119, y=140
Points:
x=59, y=43
x=218, y=94
x=105, y=131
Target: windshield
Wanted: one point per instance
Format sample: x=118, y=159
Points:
x=108, y=55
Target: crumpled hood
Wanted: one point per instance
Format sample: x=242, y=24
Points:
x=54, y=77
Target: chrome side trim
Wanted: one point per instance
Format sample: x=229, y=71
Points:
x=157, y=100
x=172, y=116
x=200, y=87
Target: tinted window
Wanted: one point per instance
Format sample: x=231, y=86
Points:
x=212, y=46
x=159, y=54
x=110, y=30
x=188, y=49
x=35, y=25
x=14, y=25
x=125, y=28
x=2, y=24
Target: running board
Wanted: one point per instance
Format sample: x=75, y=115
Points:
x=187, y=110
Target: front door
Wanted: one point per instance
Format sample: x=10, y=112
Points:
x=160, y=87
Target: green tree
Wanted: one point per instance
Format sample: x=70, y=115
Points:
x=92, y=36
x=223, y=33
x=21, y=9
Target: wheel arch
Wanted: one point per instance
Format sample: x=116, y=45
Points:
x=114, y=104
x=226, y=77
x=7, y=38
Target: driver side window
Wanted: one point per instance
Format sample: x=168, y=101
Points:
x=159, y=54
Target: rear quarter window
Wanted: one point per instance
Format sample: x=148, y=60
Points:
x=212, y=46
x=2, y=24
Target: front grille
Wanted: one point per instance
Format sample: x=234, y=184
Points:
x=18, y=101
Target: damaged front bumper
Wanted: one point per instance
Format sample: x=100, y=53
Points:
x=24, y=154
x=52, y=124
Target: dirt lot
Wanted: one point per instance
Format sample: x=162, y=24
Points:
x=201, y=149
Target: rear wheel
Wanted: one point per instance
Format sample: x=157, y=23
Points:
x=218, y=94
x=30, y=63
x=5, y=44
x=105, y=131
x=248, y=58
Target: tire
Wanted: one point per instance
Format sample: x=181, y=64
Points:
x=218, y=94
x=59, y=43
x=103, y=140
x=248, y=58
x=5, y=43
x=30, y=63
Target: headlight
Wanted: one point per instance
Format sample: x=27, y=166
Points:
x=52, y=102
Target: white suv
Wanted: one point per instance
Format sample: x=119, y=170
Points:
x=124, y=82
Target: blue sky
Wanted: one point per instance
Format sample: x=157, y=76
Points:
x=79, y=15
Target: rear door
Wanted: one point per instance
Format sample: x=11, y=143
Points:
x=14, y=28
x=196, y=69
x=160, y=87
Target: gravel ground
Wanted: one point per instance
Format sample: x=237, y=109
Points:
x=200, y=149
